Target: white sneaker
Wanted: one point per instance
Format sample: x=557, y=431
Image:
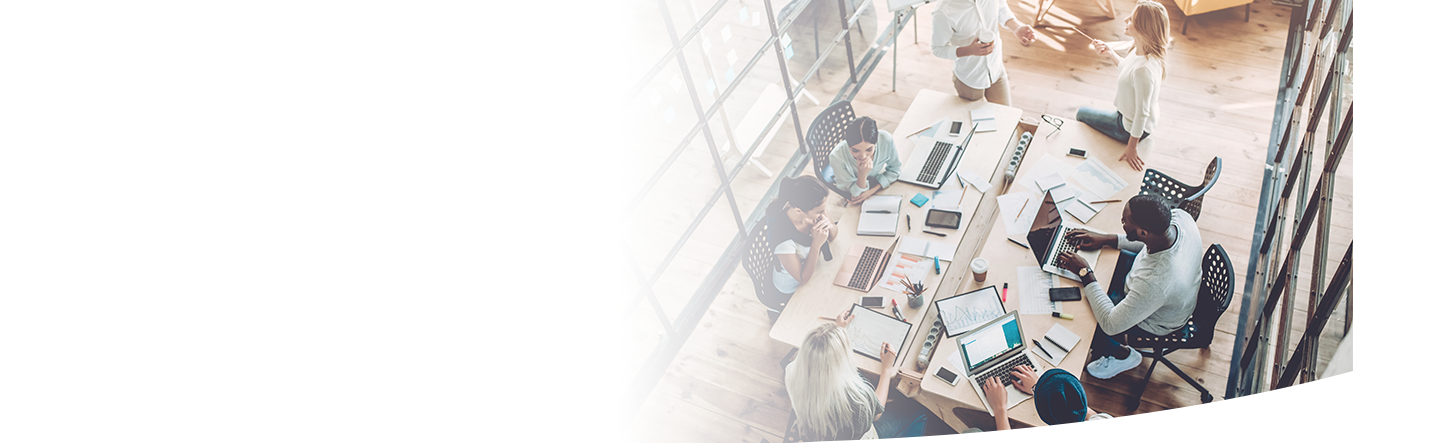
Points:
x=1108, y=367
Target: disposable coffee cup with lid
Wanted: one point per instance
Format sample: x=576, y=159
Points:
x=979, y=269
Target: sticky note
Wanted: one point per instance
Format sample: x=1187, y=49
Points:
x=919, y=200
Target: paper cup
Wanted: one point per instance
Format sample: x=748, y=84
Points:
x=979, y=269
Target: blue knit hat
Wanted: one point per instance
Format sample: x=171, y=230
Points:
x=1059, y=398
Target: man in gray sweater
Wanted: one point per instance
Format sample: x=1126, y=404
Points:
x=1162, y=260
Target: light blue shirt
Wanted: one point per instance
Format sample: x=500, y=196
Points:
x=886, y=167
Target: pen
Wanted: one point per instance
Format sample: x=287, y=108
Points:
x=1018, y=243
x=1004, y=292
x=937, y=265
x=897, y=312
x=1024, y=207
x=1044, y=350
x=1059, y=345
x=909, y=222
x=1106, y=201
x=939, y=234
x=878, y=212
x=1061, y=315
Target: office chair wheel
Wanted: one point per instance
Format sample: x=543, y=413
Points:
x=1207, y=398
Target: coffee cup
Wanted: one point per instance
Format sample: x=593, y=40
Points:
x=979, y=269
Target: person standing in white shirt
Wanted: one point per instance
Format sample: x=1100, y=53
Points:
x=965, y=31
x=1139, y=79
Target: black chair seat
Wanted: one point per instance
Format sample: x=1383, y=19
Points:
x=1180, y=195
x=1214, y=295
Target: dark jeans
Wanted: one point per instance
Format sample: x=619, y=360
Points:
x=1104, y=345
x=898, y=416
x=1108, y=123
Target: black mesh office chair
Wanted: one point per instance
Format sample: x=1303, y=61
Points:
x=823, y=135
x=1188, y=198
x=1213, y=297
x=759, y=261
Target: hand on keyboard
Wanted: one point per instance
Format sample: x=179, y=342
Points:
x=1071, y=262
x=996, y=395
x=1026, y=378
x=1086, y=240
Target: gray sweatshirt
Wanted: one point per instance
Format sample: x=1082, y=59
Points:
x=1161, y=288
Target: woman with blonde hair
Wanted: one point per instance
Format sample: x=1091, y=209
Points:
x=1139, y=80
x=833, y=403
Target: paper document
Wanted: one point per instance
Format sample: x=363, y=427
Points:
x=1017, y=210
x=927, y=248
x=1033, y=285
x=956, y=360
x=912, y=268
x=948, y=199
x=1097, y=178
x=1046, y=165
x=927, y=133
x=869, y=329
x=973, y=179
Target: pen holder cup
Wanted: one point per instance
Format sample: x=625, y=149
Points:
x=914, y=300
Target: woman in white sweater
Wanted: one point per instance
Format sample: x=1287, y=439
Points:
x=1139, y=79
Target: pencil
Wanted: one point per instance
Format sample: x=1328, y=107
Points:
x=1106, y=201
x=1023, y=208
x=1079, y=31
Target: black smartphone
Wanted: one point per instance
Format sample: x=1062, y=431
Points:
x=872, y=302
x=946, y=375
x=1064, y=294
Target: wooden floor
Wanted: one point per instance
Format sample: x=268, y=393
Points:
x=725, y=384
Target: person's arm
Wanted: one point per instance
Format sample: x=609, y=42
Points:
x=891, y=165
x=942, y=37
x=792, y=262
x=996, y=398
x=842, y=174
x=884, y=381
x=1145, y=86
x=1140, y=303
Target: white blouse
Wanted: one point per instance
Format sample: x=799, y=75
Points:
x=1138, y=80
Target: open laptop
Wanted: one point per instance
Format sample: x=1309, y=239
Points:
x=864, y=267
x=1048, y=239
x=992, y=350
x=930, y=166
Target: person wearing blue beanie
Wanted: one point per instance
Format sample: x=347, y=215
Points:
x=1057, y=394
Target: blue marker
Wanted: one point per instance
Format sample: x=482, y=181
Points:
x=937, y=265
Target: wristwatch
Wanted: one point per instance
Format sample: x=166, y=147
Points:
x=1083, y=272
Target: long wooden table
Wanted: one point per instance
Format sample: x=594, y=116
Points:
x=1004, y=258
x=820, y=298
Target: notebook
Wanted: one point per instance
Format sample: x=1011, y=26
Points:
x=880, y=215
x=1058, y=341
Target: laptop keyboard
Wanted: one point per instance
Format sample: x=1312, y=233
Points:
x=864, y=268
x=1004, y=369
x=934, y=162
x=1067, y=245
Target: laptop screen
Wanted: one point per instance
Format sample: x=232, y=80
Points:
x=1039, y=239
x=986, y=344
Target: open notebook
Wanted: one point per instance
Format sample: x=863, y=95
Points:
x=880, y=215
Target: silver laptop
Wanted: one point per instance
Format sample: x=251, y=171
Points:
x=992, y=350
x=1048, y=239
x=930, y=165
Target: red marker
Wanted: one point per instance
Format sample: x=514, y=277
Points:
x=897, y=312
x=1004, y=292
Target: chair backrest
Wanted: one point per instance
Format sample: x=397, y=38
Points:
x=826, y=130
x=1193, y=202
x=758, y=261
x=1215, y=293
